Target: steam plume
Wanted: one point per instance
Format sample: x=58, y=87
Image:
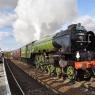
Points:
x=87, y=21
x=36, y=18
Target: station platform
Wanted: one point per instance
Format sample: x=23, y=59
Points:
x=4, y=87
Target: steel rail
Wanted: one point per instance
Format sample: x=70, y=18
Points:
x=15, y=79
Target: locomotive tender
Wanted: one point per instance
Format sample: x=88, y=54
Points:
x=76, y=46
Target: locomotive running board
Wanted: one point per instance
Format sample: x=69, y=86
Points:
x=93, y=69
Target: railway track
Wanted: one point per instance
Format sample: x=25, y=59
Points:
x=22, y=84
x=59, y=86
x=14, y=86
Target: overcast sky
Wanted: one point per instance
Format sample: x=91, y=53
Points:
x=7, y=18
x=22, y=21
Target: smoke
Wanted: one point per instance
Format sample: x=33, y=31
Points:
x=87, y=21
x=36, y=18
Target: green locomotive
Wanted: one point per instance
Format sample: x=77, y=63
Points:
x=73, y=47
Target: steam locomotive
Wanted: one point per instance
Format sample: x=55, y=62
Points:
x=73, y=46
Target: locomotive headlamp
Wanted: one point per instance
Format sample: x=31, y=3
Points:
x=77, y=55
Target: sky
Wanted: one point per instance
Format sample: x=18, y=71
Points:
x=22, y=21
x=86, y=7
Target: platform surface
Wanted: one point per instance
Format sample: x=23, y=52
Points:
x=4, y=87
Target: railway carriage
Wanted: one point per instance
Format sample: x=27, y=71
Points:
x=16, y=54
x=23, y=53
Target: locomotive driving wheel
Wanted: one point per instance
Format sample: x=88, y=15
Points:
x=71, y=73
